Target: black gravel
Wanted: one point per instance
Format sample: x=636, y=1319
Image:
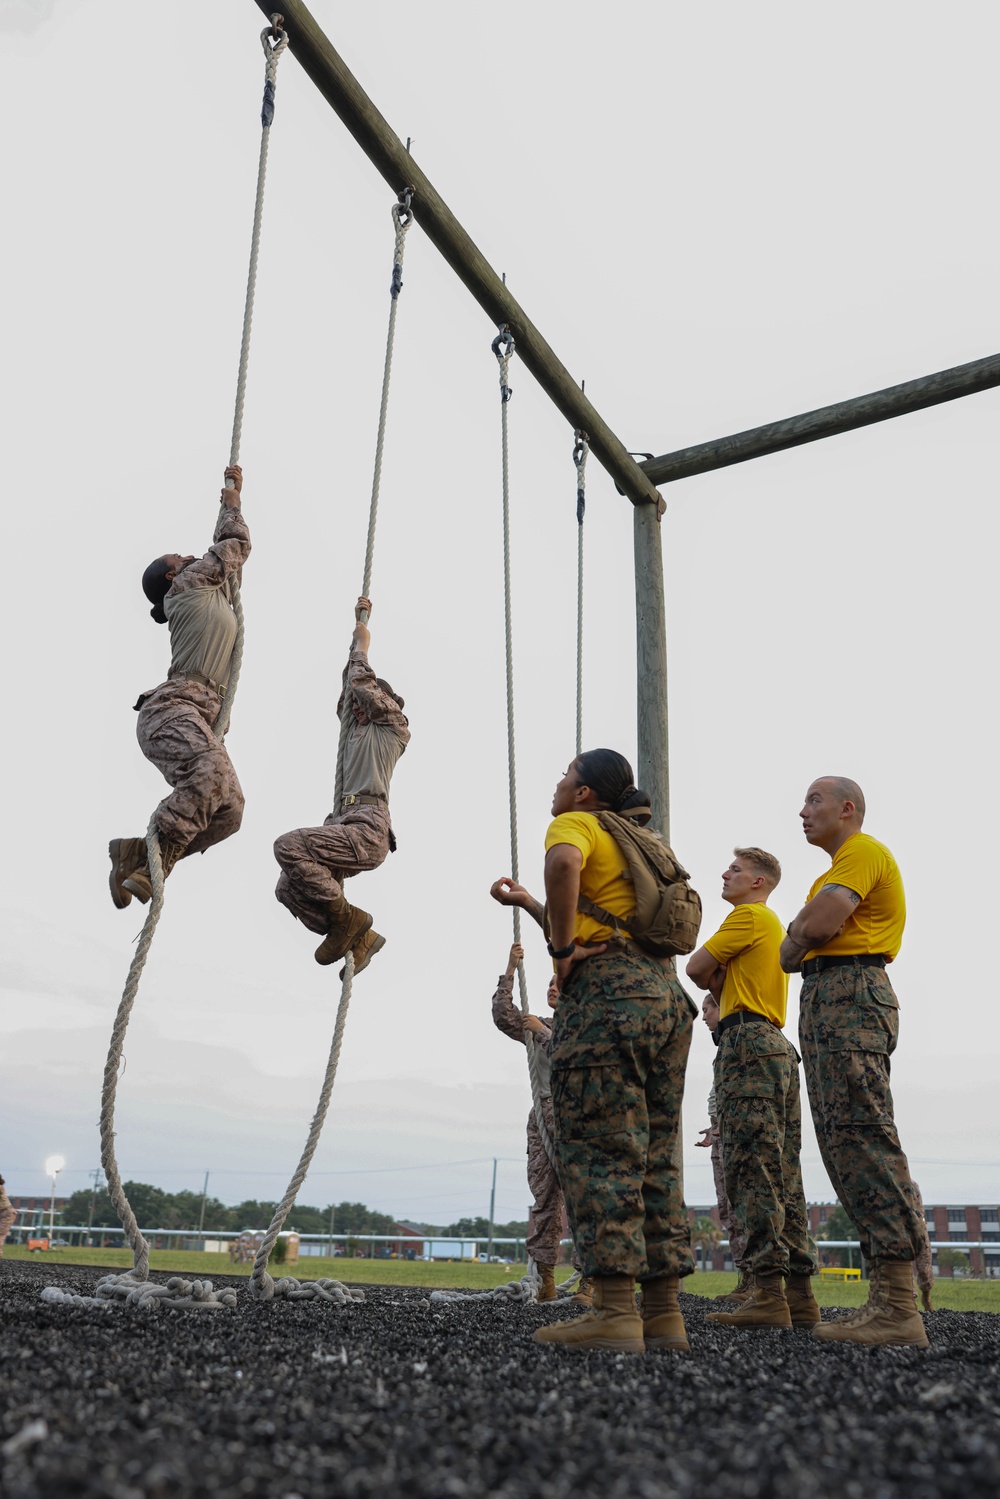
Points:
x=397, y=1397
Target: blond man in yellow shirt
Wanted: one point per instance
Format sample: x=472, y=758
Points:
x=757, y=1087
x=850, y=927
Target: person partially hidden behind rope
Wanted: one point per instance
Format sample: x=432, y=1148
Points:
x=176, y=725
x=543, y=1242
x=357, y=835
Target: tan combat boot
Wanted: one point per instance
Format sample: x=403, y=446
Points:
x=584, y=1293
x=614, y=1325
x=892, y=1319
x=364, y=951
x=547, y=1290
x=139, y=882
x=739, y=1293
x=662, y=1323
x=347, y=924
x=128, y=858
x=764, y=1307
x=802, y=1304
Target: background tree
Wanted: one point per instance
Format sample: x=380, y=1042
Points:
x=952, y=1259
x=705, y=1235
x=838, y=1226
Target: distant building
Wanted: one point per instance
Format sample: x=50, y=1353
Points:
x=944, y=1224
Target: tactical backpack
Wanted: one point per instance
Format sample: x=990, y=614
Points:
x=667, y=913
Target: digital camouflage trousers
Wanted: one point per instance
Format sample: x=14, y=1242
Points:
x=545, y=1233
x=176, y=733
x=760, y=1116
x=621, y=1039
x=316, y=861
x=737, y=1242
x=848, y=1027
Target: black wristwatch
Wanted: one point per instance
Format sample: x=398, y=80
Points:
x=561, y=952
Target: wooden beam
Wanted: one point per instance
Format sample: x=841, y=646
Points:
x=827, y=421
x=386, y=151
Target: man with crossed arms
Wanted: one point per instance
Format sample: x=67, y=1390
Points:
x=849, y=929
x=757, y=1083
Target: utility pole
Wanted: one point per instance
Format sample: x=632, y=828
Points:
x=330, y=1241
x=201, y=1220
x=493, y=1200
x=95, y=1177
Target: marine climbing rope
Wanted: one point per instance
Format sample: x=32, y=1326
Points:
x=134, y=1286
x=503, y=347
x=262, y=1286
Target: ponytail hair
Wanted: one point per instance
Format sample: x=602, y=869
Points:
x=610, y=778
x=155, y=586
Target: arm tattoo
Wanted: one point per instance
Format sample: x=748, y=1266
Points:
x=855, y=897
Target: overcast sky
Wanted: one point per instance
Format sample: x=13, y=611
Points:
x=718, y=215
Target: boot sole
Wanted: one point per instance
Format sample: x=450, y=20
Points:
x=115, y=886
x=676, y=1345
x=923, y=1342
x=325, y=962
x=376, y=946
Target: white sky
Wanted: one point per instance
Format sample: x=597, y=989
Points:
x=717, y=215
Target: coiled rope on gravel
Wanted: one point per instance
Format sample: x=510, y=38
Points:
x=133, y=1287
x=523, y=1292
x=262, y=1286
x=503, y=347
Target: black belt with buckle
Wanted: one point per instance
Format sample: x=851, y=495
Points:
x=741, y=1017
x=862, y=959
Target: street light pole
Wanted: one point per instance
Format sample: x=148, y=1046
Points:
x=53, y=1166
x=201, y=1220
x=493, y=1198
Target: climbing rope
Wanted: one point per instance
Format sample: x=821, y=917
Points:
x=503, y=347
x=581, y=447
x=134, y=1287
x=262, y=1286
x=522, y=1292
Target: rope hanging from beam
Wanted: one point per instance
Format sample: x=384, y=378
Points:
x=134, y=1286
x=504, y=347
x=581, y=447
x=262, y=1286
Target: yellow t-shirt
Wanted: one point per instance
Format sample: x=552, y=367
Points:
x=876, y=925
x=603, y=878
x=748, y=941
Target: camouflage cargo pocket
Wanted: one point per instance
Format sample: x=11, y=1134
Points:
x=755, y=1064
x=856, y=1010
x=590, y=1104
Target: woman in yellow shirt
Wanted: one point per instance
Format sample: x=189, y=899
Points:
x=621, y=1037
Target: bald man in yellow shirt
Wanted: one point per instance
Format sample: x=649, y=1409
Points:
x=757, y=1086
x=850, y=927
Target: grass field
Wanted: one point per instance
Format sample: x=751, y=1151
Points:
x=949, y=1295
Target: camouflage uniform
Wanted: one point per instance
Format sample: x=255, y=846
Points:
x=316, y=861
x=8, y=1217
x=848, y=1027
x=621, y=1039
x=737, y=1240
x=544, y=1241
x=758, y=1087
x=176, y=721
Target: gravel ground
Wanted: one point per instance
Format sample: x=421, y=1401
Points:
x=399, y=1397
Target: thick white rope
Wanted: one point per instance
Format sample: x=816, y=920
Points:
x=262, y=1286
x=524, y=1291
x=273, y=47
x=136, y=1279
x=503, y=347
x=581, y=447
